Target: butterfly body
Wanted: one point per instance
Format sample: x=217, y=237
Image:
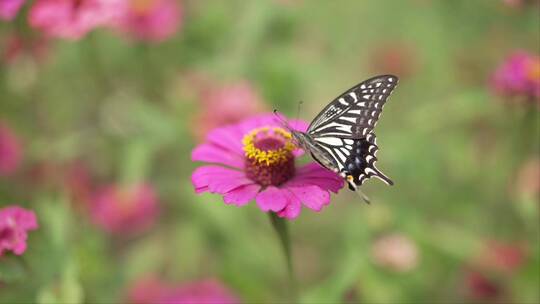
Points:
x=341, y=137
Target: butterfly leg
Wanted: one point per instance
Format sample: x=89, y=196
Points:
x=354, y=187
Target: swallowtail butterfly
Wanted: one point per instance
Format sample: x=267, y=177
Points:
x=341, y=137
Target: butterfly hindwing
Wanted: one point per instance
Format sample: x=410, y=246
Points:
x=354, y=113
x=354, y=157
x=361, y=162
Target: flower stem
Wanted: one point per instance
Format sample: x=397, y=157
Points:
x=280, y=226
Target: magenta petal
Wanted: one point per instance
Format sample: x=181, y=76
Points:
x=242, y=195
x=214, y=154
x=218, y=179
x=273, y=199
x=228, y=137
x=314, y=174
x=265, y=120
x=312, y=197
x=292, y=210
x=299, y=125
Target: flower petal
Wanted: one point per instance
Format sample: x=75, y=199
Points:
x=242, y=195
x=312, y=197
x=293, y=208
x=299, y=125
x=314, y=174
x=216, y=179
x=273, y=199
x=265, y=120
x=215, y=154
x=228, y=137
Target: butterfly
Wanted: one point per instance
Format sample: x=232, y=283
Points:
x=341, y=137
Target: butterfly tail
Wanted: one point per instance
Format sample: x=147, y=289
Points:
x=383, y=177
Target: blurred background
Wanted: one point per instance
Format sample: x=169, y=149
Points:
x=102, y=102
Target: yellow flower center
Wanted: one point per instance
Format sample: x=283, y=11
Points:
x=269, y=156
x=533, y=70
x=142, y=6
x=268, y=145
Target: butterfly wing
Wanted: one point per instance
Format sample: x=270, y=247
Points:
x=354, y=113
x=344, y=129
x=353, y=157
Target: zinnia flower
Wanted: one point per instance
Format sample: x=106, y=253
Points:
x=10, y=8
x=152, y=290
x=226, y=104
x=481, y=287
x=501, y=257
x=72, y=19
x=396, y=252
x=15, y=222
x=255, y=159
x=125, y=209
x=150, y=20
x=519, y=75
x=10, y=151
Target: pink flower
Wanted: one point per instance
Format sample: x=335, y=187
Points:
x=125, y=209
x=150, y=20
x=481, y=287
x=16, y=47
x=15, y=222
x=152, y=290
x=501, y=257
x=519, y=75
x=78, y=181
x=10, y=151
x=396, y=252
x=72, y=19
x=255, y=159
x=10, y=8
x=528, y=178
x=226, y=104
x=394, y=58
x=520, y=3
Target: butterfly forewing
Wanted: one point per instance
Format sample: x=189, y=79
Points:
x=355, y=113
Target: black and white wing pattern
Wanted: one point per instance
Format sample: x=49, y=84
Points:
x=360, y=165
x=344, y=129
x=355, y=113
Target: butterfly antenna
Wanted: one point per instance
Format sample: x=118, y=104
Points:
x=282, y=120
x=298, y=109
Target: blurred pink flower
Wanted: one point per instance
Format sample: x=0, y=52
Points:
x=520, y=3
x=15, y=222
x=528, y=179
x=15, y=47
x=10, y=150
x=396, y=252
x=226, y=104
x=152, y=290
x=78, y=182
x=72, y=19
x=519, y=75
x=497, y=256
x=256, y=160
x=121, y=210
x=10, y=8
x=481, y=287
x=394, y=58
x=150, y=20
